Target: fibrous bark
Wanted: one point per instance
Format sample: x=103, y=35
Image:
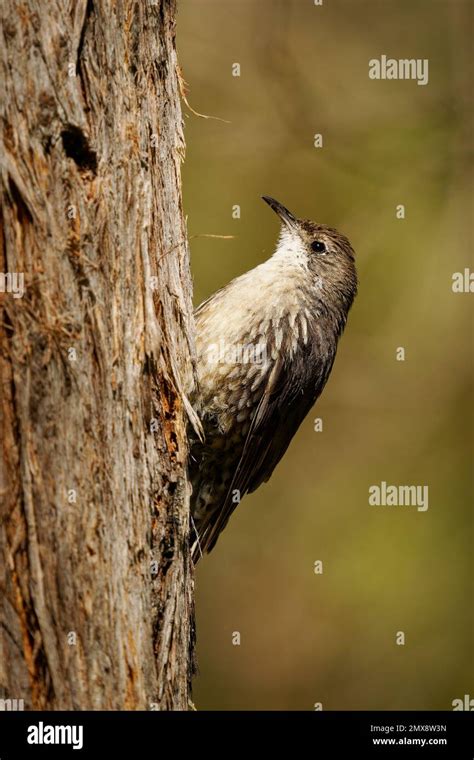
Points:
x=95, y=359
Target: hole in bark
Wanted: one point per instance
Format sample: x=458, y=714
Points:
x=76, y=147
x=47, y=144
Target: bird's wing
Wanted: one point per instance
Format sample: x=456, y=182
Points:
x=288, y=396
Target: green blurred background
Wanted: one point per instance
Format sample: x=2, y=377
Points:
x=330, y=638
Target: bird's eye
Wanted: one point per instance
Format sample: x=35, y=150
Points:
x=318, y=246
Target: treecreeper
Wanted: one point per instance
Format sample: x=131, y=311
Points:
x=266, y=344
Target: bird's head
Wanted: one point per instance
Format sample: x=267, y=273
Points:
x=324, y=252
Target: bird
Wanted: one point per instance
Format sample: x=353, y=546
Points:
x=265, y=347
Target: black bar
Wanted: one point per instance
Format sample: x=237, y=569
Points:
x=141, y=734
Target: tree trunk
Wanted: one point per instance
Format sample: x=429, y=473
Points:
x=95, y=358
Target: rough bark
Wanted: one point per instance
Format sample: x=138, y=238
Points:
x=95, y=358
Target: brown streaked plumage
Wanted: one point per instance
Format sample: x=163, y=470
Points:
x=266, y=343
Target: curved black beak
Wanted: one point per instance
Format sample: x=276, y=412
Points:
x=285, y=215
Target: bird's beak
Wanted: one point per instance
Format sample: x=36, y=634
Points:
x=285, y=215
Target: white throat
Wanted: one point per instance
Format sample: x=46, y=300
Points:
x=290, y=248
